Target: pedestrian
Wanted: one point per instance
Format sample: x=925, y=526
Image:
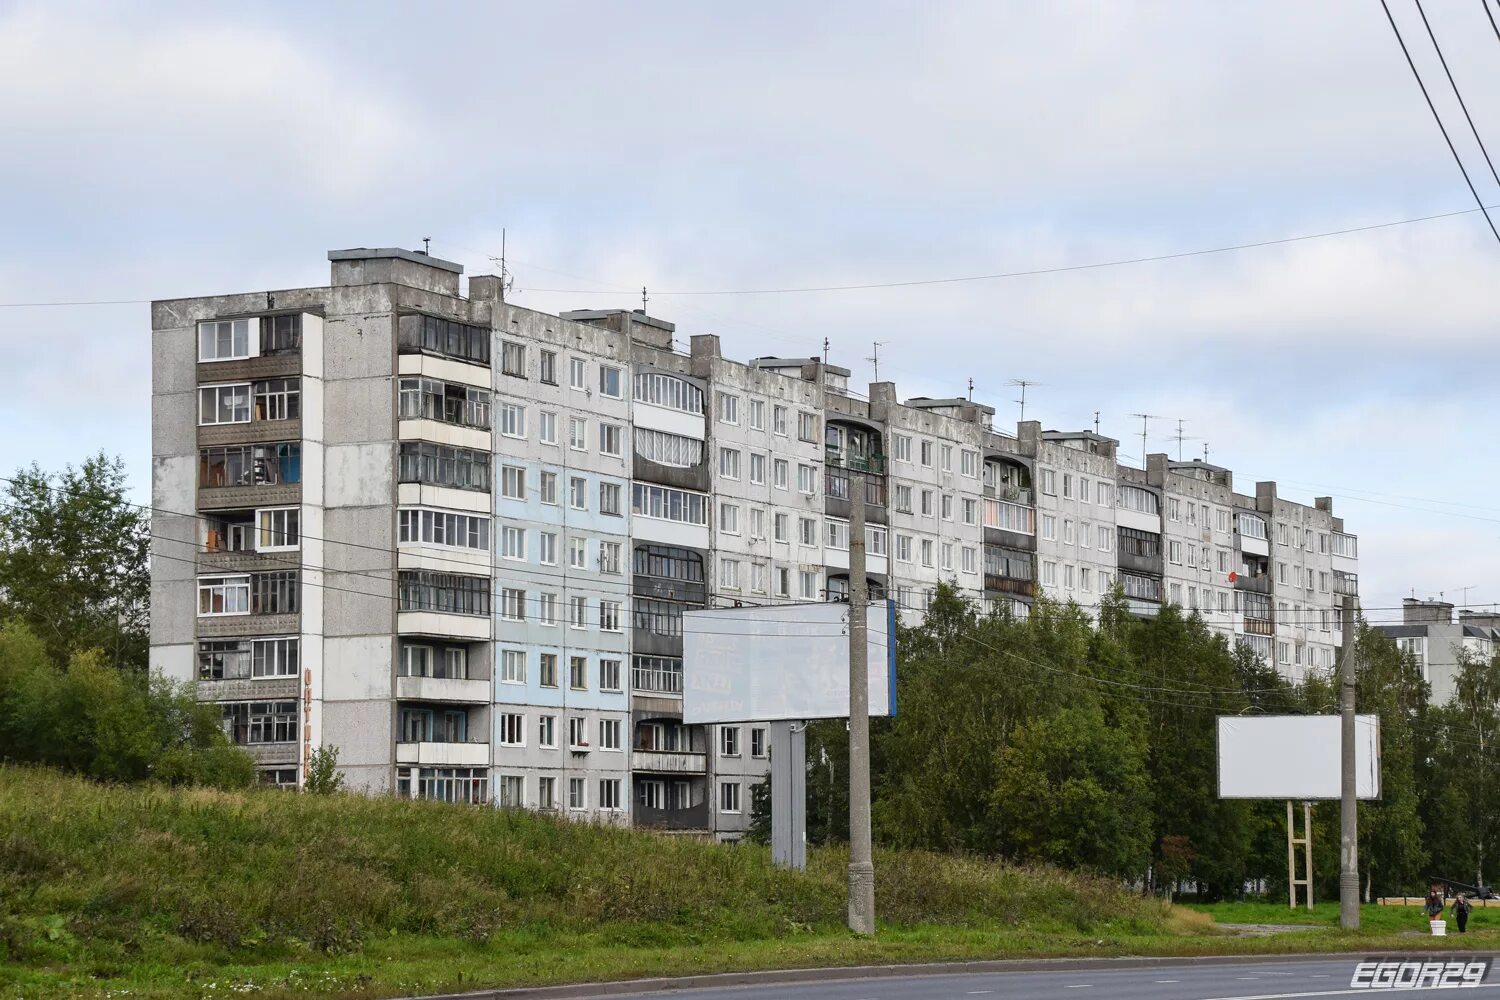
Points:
x=1461, y=908
x=1434, y=904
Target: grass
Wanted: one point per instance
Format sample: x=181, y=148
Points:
x=157, y=894
x=1372, y=918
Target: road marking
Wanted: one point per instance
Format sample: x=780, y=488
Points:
x=1338, y=993
x=1079, y=986
x=979, y=993
x=1169, y=980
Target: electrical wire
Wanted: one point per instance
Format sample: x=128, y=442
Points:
x=1439, y=119
x=1454, y=84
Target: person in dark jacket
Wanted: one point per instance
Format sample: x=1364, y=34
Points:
x=1461, y=908
x=1434, y=904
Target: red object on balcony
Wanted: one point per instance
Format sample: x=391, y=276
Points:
x=1233, y=576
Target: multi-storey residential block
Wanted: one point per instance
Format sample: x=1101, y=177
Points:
x=1436, y=642
x=455, y=538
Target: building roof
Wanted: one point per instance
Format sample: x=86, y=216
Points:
x=415, y=256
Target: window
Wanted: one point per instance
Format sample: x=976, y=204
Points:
x=902, y=447
x=281, y=399
x=729, y=741
x=578, y=433
x=668, y=449
x=838, y=534
x=1049, y=574
x=806, y=479
x=249, y=723
x=548, y=490
x=1174, y=509
x=666, y=504
x=578, y=673
x=1068, y=576
x=757, y=414
x=250, y=465
x=875, y=539
x=807, y=426
x=780, y=467
x=729, y=574
x=729, y=796
x=547, y=610
x=758, y=578
x=971, y=510
x=757, y=468
x=512, y=729
x=578, y=549
x=609, y=734
x=609, y=616
x=729, y=408
x=808, y=585
x=757, y=523
x=444, y=337
x=778, y=420
x=546, y=546
x=512, y=420
x=1192, y=518
x=669, y=391
x=781, y=527
x=925, y=451
x=277, y=529
x=578, y=612
x=513, y=666
x=969, y=464
x=927, y=552
x=1085, y=580
x=1083, y=490
x=610, y=382
x=577, y=373
x=903, y=499
x=578, y=731
x=512, y=792
x=947, y=458
x=224, y=340
x=1049, y=482
x=729, y=518
x=609, y=558
x=513, y=358
x=971, y=560
x=546, y=731
x=547, y=367
x=223, y=595
x=611, y=440
x=1086, y=535
x=512, y=482
x=947, y=549
x=1106, y=538
x=577, y=794
x=903, y=548
x=1049, y=527
x=729, y=463
x=441, y=465
x=807, y=530
x=578, y=493
x=224, y=404
x=609, y=499
x=513, y=543
x=1102, y=495
x=757, y=742
x=423, y=526
x=661, y=674
x=783, y=582
x=609, y=671
x=609, y=794
x=434, y=399
x=547, y=676
x=926, y=506
x=512, y=604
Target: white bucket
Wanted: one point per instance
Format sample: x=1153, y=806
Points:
x=1439, y=928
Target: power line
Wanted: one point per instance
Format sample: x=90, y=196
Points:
x=1439, y=119
x=1454, y=84
x=1496, y=27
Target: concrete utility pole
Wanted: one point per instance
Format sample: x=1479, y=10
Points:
x=1348, y=804
x=861, y=862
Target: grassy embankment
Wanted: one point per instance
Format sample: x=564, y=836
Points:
x=113, y=891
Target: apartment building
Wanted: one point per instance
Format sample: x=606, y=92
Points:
x=1436, y=641
x=455, y=538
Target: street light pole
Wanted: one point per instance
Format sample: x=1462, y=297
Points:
x=1348, y=803
x=861, y=861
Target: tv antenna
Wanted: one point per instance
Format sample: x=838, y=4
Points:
x=1144, y=418
x=1472, y=586
x=1096, y=421
x=427, y=246
x=506, y=278
x=874, y=358
x=971, y=388
x=1180, y=437
x=825, y=352
x=644, y=298
x=1023, y=383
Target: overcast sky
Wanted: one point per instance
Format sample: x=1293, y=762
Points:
x=166, y=150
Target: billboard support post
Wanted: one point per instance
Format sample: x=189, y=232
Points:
x=861, y=860
x=1292, y=843
x=789, y=795
x=1348, y=806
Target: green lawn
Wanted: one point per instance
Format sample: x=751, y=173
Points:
x=1382, y=919
x=109, y=892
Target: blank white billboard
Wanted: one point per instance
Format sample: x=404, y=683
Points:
x=1294, y=756
x=786, y=661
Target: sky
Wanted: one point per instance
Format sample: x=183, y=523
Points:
x=164, y=150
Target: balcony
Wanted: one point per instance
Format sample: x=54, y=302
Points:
x=689, y=818
x=1015, y=494
x=1259, y=626
x=1009, y=585
x=1141, y=608
x=1345, y=584
x=433, y=754
x=1145, y=562
x=445, y=689
x=842, y=458
x=1254, y=584
x=668, y=762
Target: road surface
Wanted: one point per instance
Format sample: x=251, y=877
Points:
x=1213, y=980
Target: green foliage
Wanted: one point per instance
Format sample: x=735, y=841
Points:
x=73, y=562
x=323, y=774
x=108, y=725
x=759, y=831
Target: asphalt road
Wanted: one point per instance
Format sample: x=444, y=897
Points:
x=1226, y=980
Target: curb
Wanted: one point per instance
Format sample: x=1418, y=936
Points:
x=724, y=980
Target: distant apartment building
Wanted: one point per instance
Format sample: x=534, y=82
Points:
x=1437, y=641
x=455, y=538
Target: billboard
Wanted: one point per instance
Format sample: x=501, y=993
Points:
x=1294, y=756
x=783, y=661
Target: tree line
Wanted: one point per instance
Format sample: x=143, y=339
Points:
x=1092, y=744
